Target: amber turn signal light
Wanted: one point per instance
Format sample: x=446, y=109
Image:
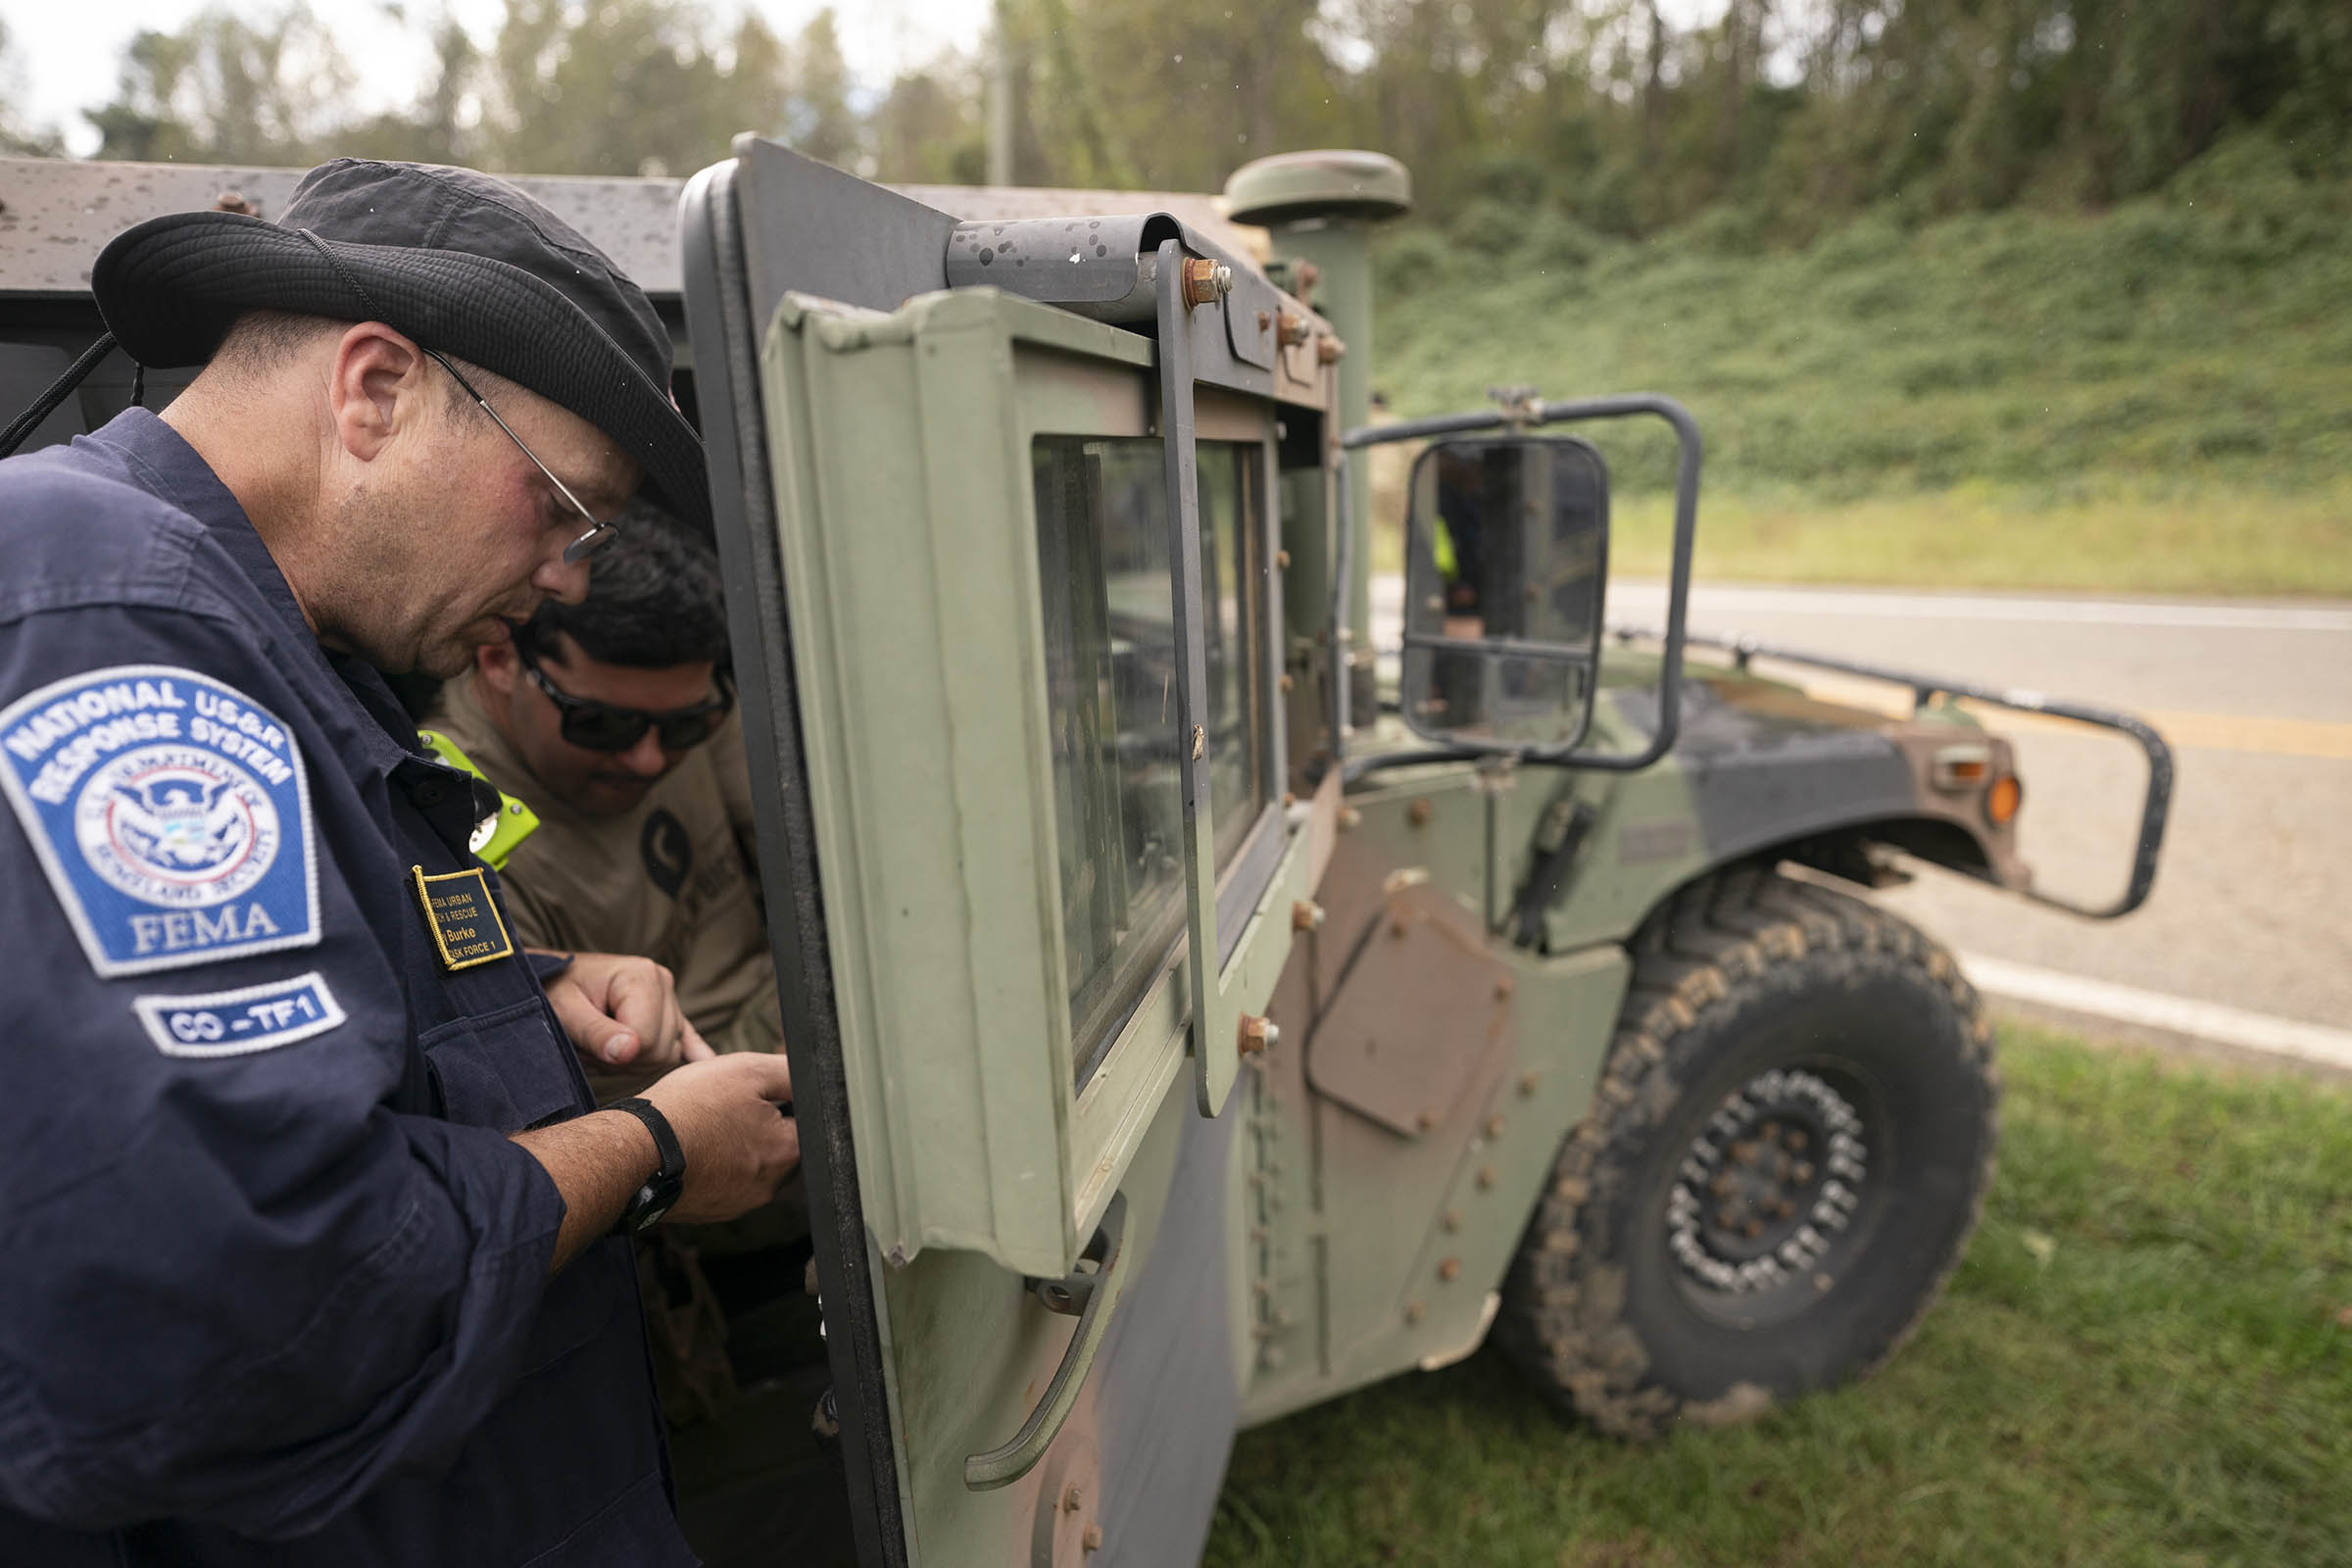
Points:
x=2003, y=798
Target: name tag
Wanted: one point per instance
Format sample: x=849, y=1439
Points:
x=462, y=916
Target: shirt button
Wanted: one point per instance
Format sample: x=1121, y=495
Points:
x=427, y=794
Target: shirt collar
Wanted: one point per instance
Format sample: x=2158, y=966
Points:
x=166, y=466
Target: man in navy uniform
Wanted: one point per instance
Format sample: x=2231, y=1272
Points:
x=313, y=1226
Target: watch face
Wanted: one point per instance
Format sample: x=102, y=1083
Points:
x=653, y=1203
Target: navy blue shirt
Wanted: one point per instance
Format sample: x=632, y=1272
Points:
x=277, y=1283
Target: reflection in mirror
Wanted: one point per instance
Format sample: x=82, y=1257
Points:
x=1505, y=563
x=1110, y=672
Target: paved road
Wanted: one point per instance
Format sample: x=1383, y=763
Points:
x=2253, y=905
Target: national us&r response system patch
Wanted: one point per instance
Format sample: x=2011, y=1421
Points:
x=172, y=814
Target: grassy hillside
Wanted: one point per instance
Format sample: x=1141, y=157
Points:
x=2159, y=397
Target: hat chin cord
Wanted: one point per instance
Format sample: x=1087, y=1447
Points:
x=75, y=374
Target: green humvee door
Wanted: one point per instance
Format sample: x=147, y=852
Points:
x=1012, y=654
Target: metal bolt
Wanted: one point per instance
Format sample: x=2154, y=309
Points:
x=1486, y=1176
x=1413, y=1311
x=1527, y=1085
x=1282, y=560
x=1494, y=1125
x=1265, y=319
x=1329, y=350
x=1071, y=1499
x=1426, y=1120
x=1349, y=817
x=1451, y=1270
x=1289, y=331
x=1206, y=282
x=1804, y=1172
x=1257, y=1034
x=1307, y=915
x=1453, y=1219
x=1289, y=800
x=1419, y=812
x=1092, y=1540
x=1502, y=990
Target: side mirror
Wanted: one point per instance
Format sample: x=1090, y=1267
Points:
x=1506, y=559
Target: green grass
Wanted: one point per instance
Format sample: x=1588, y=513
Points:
x=2145, y=1360
x=2171, y=381
x=1980, y=535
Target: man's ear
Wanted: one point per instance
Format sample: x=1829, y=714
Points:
x=499, y=667
x=376, y=383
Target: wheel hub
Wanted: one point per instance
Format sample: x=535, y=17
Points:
x=1768, y=1188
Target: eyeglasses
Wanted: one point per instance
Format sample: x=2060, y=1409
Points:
x=597, y=532
x=602, y=727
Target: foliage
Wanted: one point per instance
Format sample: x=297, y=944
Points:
x=1761, y=120
x=17, y=138
x=224, y=90
x=2144, y=1360
x=2190, y=340
x=619, y=87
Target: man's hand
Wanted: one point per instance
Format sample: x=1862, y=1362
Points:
x=739, y=1144
x=728, y=1115
x=622, y=1012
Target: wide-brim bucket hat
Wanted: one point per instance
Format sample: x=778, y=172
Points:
x=460, y=262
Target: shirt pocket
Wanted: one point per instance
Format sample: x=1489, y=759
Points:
x=506, y=1070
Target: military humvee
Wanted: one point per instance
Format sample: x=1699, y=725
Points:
x=1184, y=1029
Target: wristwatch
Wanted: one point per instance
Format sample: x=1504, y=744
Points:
x=661, y=1189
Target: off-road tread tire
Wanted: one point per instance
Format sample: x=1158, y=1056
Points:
x=1711, y=948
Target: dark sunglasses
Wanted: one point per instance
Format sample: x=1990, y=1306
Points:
x=602, y=727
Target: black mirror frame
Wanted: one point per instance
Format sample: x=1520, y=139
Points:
x=1492, y=649
x=1685, y=524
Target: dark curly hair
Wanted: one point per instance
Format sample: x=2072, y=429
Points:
x=653, y=600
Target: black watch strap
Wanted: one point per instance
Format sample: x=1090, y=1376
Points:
x=673, y=1156
x=661, y=1189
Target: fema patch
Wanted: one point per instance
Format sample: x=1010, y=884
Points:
x=171, y=813
x=232, y=1023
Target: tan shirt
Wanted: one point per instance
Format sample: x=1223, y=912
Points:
x=675, y=880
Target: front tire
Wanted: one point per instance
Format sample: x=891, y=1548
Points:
x=1787, y=1152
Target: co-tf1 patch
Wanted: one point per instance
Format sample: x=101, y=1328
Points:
x=171, y=811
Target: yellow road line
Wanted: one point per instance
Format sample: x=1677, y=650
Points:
x=2247, y=732
x=2323, y=740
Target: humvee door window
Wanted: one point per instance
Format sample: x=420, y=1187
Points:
x=1111, y=672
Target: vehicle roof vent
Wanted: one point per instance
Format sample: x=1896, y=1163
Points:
x=1330, y=182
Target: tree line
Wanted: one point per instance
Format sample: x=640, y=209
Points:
x=1625, y=116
